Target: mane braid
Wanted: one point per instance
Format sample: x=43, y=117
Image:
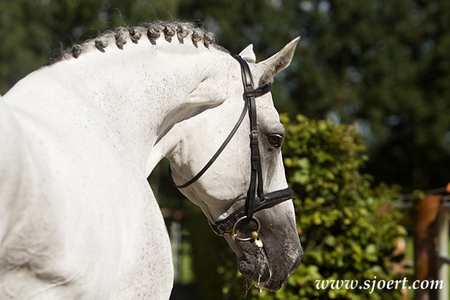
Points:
x=154, y=30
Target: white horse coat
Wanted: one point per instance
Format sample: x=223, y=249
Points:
x=78, y=139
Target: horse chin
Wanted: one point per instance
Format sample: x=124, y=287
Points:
x=256, y=267
x=254, y=263
x=258, y=270
x=274, y=283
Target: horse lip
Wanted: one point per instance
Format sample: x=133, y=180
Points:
x=296, y=264
x=274, y=285
x=262, y=281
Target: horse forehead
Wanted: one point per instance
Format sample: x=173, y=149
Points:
x=267, y=113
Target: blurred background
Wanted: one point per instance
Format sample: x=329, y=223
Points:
x=374, y=74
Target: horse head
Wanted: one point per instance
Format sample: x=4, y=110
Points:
x=239, y=181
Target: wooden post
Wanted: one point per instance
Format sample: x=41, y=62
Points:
x=443, y=258
x=425, y=244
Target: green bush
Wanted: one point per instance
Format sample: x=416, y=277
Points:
x=348, y=228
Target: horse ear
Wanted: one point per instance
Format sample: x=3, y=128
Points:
x=248, y=55
x=277, y=62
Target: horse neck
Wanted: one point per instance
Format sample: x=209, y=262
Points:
x=135, y=89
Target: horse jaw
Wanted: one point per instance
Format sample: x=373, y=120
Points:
x=278, y=252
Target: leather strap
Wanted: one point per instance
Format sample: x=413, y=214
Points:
x=225, y=226
x=256, y=184
x=216, y=155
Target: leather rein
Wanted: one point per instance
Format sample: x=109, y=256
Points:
x=256, y=199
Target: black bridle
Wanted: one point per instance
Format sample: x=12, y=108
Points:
x=256, y=199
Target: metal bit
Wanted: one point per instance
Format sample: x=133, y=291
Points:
x=256, y=239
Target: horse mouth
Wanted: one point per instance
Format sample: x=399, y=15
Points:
x=258, y=269
x=274, y=283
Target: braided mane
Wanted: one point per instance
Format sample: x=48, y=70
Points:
x=154, y=30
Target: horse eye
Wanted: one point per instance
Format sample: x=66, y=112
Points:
x=275, y=140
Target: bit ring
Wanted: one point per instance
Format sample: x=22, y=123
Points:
x=240, y=220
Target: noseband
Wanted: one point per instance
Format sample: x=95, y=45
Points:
x=256, y=199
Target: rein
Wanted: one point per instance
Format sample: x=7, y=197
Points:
x=256, y=199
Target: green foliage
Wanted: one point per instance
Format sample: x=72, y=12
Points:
x=376, y=63
x=348, y=229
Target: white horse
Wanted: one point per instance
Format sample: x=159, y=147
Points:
x=78, y=138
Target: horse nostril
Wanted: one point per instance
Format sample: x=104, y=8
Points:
x=254, y=270
x=245, y=268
